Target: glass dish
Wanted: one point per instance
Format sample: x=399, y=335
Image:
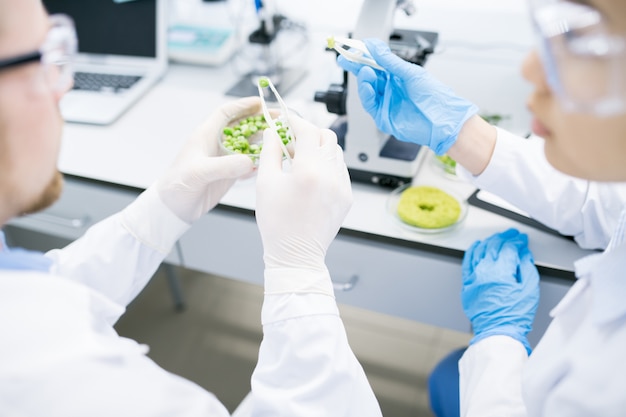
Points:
x=245, y=136
x=394, y=199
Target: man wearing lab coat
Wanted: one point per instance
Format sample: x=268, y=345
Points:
x=59, y=353
x=571, y=176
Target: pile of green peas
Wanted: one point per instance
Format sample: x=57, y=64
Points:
x=237, y=137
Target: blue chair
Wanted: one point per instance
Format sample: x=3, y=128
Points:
x=443, y=386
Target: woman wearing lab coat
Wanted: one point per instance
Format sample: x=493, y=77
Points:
x=59, y=353
x=571, y=177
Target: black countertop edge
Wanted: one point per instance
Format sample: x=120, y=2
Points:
x=137, y=190
x=455, y=253
x=550, y=272
x=543, y=270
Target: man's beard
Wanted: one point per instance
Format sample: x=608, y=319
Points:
x=50, y=194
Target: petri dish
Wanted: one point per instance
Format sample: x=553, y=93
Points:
x=245, y=136
x=396, y=195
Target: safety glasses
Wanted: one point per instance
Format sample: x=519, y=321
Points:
x=585, y=63
x=55, y=54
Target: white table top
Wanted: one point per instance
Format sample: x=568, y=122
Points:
x=137, y=148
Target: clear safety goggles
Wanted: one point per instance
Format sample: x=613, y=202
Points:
x=55, y=54
x=585, y=63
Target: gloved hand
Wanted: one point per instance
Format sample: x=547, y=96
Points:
x=407, y=102
x=199, y=177
x=500, y=287
x=300, y=210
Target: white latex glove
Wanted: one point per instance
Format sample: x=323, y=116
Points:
x=199, y=177
x=300, y=210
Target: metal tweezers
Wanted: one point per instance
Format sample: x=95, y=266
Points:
x=357, y=53
x=268, y=117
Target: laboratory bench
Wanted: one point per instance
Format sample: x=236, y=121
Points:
x=374, y=264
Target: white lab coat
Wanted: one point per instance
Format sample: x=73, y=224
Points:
x=60, y=355
x=579, y=366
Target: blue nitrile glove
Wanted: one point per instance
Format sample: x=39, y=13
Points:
x=407, y=102
x=500, y=287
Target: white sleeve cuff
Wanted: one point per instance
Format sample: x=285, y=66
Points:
x=283, y=307
x=152, y=222
x=301, y=281
x=490, y=378
x=497, y=344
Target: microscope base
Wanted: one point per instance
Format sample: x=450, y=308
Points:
x=379, y=179
x=403, y=152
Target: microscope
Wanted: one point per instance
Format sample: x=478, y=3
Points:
x=371, y=155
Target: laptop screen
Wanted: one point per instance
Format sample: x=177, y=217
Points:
x=107, y=27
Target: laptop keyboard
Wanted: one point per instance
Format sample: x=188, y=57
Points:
x=113, y=83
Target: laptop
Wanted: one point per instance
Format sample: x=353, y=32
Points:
x=122, y=53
